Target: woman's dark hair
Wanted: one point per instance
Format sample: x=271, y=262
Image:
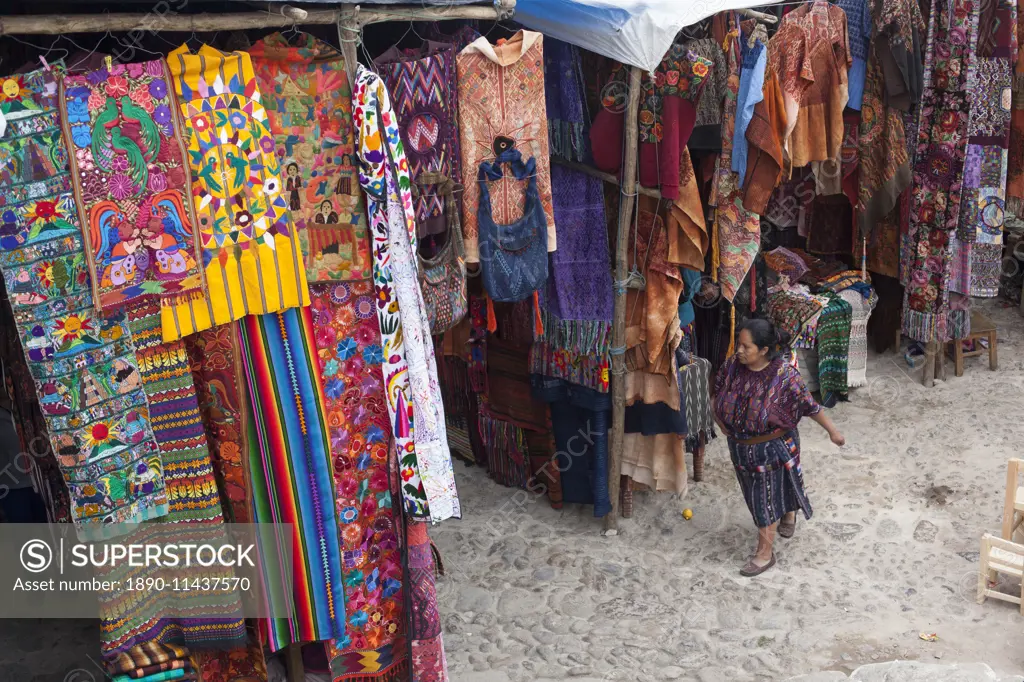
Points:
x=292, y=165
x=767, y=335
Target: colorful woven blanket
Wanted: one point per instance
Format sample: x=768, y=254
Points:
x=834, y=349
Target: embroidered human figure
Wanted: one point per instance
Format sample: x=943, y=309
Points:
x=326, y=214
x=293, y=184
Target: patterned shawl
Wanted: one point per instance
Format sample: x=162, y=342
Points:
x=409, y=367
x=309, y=112
x=938, y=172
x=1015, y=162
x=564, y=96
x=250, y=250
x=88, y=381
x=133, y=196
x=834, y=349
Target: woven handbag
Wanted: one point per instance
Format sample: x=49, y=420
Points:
x=443, y=277
x=513, y=257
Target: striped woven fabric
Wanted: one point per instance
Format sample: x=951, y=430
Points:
x=291, y=470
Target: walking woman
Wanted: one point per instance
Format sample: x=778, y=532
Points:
x=759, y=399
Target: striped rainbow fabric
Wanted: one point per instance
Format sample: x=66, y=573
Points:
x=291, y=471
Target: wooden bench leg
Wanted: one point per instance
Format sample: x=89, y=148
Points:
x=983, y=572
x=958, y=356
x=940, y=361
x=993, y=356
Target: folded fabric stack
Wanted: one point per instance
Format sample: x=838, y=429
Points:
x=153, y=662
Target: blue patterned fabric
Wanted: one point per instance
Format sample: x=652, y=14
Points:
x=858, y=27
x=751, y=91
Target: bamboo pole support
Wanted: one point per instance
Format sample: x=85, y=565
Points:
x=627, y=202
x=348, y=38
x=168, y=20
x=607, y=177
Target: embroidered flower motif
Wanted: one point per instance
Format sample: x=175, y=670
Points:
x=157, y=182
x=346, y=348
x=155, y=67
x=243, y=219
x=271, y=186
x=98, y=76
x=267, y=145
x=119, y=164
x=117, y=86
x=136, y=69
x=81, y=135
x=117, y=69
x=158, y=88
x=237, y=119
x=383, y=296
x=162, y=115
x=121, y=186
x=334, y=388
x=142, y=97
x=201, y=124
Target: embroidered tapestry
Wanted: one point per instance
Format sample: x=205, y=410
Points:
x=131, y=185
x=250, y=250
x=349, y=348
x=410, y=371
x=291, y=468
x=87, y=377
x=309, y=110
x=425, y=97
x=939, y=170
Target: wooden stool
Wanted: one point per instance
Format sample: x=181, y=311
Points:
x=1000, y=556
x=1013, y=503
x=981, y=328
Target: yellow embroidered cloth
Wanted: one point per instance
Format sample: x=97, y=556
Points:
x=249, y=245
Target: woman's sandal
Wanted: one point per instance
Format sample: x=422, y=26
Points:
x=752, y=569
x=787, y=530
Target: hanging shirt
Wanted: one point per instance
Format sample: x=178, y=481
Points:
x=858, y=25
x=249, y=244
x=751, y=92
x=501, y=105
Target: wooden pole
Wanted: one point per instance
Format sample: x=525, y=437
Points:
x=627, y=202
x=120, y=22
x=348, y=38
x=607, y=177
x=294, y=665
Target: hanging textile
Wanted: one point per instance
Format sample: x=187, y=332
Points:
x=347, y=335
x=219, y=378
x=250, y=249
x=28, y=418
x=88, y=381
x=233, y=665
x=707, y=127
x=428, y=660
x=132, y=185
x=882, y=147
x=765, y=135
x=833, y=336
x=1015, y=161
x=567, y=112
x=309, y=113
x=857, y=362
x=289, y=460
x=410, y=371
x=939, y=171
x=858, y=26
x=688, y=238
x=739, y=230
x=578, y=296
x=207, y=619
x=811, y=54
x=491, y=122
x=753, y=60
x=883, y=243
x=425, y=97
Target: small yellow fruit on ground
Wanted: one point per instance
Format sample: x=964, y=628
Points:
x=687, y=514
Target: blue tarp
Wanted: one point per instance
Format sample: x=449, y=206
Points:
x=637, y=32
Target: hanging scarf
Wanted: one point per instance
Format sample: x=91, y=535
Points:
x=941, y=149
x=309, y=113
x=564, y=90
x=410, y=369
x=132, y=187
x=88, y=382
x=1015, y=162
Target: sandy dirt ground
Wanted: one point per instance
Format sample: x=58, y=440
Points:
x=892, y=551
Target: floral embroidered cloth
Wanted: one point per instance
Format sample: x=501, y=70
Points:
x=350, y=356
x=938, y=173
x=425, y=97
x=131, y=184
x=309, y=111
x=413, y=393
x=501, y=105
x=250, y=250
x=87, y=377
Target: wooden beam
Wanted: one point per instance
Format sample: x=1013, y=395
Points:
x=760, y=16
x=168, y=20
x=607, y=177
x=627, y=202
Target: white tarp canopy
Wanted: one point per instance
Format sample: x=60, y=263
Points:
x=637, y=32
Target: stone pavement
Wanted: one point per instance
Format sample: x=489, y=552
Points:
x=912, y=671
